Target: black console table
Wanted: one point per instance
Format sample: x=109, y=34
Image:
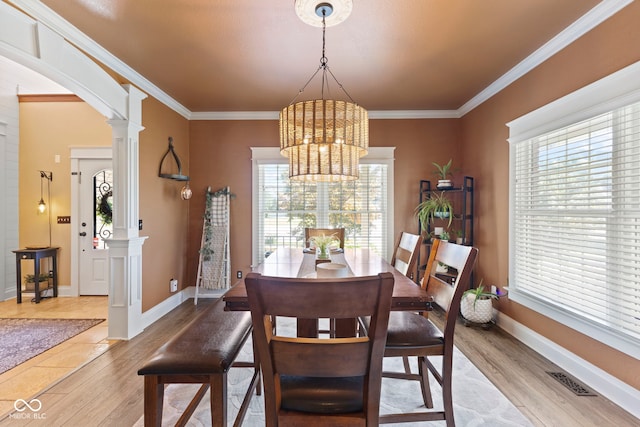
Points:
x=36, y=255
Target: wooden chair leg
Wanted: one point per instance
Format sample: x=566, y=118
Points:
x=153, y=398
x=405, y=362
x=423, y=371
x=218, y=400
x=447, y=398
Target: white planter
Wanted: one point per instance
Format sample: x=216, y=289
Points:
x=441, y=268
x=481, y=312
x=444, y=184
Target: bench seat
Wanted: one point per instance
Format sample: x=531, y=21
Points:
x=202, y=353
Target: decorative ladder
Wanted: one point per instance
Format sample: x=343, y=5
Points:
x=214, y=265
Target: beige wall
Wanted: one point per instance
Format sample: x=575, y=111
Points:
x=608, y=48
x=48, y=129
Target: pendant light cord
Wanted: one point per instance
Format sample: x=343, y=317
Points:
x=49, y=201
x=324, y=67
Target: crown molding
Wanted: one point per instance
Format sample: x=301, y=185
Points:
x=55, y=22
x=235, y=115
x=414, y=114
x=587, y=22
x=376, y=115
x=584, y=24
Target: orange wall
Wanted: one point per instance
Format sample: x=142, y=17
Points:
x=221, y=155
x=48, y=129
x=163, y=212
x=608, y=48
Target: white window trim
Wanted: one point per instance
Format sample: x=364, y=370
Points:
x=611, y=92
x=270, y=155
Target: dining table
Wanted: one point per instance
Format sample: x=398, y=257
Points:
x=301, y=263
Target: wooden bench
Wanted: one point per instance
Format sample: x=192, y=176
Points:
x=201, y=353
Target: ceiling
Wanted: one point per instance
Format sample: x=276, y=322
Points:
x=248, y=55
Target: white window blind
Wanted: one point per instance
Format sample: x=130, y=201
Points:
x=576, y=224
x=283, y=208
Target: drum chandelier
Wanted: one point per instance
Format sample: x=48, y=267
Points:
x=323, y=139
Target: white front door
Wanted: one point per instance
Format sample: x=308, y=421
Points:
x=95, y=224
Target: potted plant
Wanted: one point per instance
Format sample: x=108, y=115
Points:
x=445, y=236
x=443, y=172
x=30, y=279
x=436, y=206
x=459, y=237
x=323, y=244
x=476, y=305
x=442, y=268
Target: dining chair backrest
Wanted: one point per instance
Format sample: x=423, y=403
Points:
x=445, y=293
x=313, y=232
x=406, y=253
x=319, y=363
x=415, y=335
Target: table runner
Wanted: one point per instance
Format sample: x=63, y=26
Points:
x=308, y=265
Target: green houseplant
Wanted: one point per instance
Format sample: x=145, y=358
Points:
x=436, y=206
x=476, y=305
x=443, y=172
x=323, y=243
x=29, y=280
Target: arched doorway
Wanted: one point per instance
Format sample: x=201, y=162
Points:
x=34, y=45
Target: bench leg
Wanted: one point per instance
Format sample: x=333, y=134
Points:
x=193, y=405
x=218, y=387
x=153, y=398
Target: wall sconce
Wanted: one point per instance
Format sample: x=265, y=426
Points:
x=186, y=192
x=42, y=206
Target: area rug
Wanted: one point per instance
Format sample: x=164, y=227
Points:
x=477, y=402
x=23, y=339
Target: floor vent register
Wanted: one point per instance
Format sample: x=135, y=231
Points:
x=571, y=384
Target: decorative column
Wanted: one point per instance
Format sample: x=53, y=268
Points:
x=125, y=248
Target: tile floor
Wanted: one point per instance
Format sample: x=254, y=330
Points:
x=39, y=373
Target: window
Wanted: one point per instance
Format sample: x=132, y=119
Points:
x=282, y=208
x=575, y=211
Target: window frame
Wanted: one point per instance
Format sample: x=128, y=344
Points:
x=609, y=93
x=271, y=155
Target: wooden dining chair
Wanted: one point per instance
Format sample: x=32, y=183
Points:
x=320, y=381
x=406, y=253
x=312, y=232
x=413, y=334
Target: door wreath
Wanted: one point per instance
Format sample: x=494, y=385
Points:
x=105, y=207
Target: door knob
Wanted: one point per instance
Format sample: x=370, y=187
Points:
x=84, y=233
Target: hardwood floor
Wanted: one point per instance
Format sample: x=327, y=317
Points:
x=520, y=374
x=31, y=377
x=108, y=391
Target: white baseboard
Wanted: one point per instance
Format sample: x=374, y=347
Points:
x=155, y=313
x=607, y=385
x=205, y=293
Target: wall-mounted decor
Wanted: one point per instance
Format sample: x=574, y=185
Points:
x=177, y=177
x=185, y=193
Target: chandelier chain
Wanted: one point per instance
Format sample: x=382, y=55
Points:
x=324, y=67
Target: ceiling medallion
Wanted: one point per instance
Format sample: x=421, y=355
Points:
x=324, y=138
x=307, y=11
